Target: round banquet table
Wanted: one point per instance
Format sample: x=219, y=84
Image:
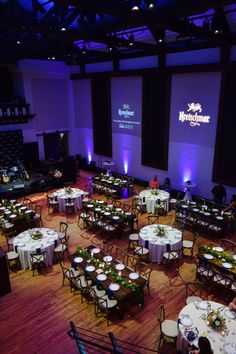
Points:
x=26, y=245
x=150, y=199
x=76, y=194
x=157, y=244
x=195, y=319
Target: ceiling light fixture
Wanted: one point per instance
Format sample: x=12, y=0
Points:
x=135, y=5
x=63, y=29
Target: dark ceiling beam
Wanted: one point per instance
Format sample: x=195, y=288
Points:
x=169, y=19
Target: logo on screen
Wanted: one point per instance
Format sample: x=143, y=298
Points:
x=125, y=111
x=193, y=117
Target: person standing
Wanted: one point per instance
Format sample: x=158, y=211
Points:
x=154, y=183
x=219, y=193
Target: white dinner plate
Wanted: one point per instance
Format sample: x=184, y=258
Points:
x=215, y=210
x=28, y=211
x=230, y=314
x=227, y=213
x=208, y=256
x=203, y=305
x=120, y=266
x=195, y=209
x=234, y=256
x=226, y=265
x=128, y=213
x=101, y=201
x=193, y=203
x=143, y=231
x=184, y=206
x=95, y=250
x=118, y=209
x=114, y=287
x=13, y=216
x=133, y=276
x=101, y=277
x=90, y=268
x=186, y=320
x=78, y=259
x=90, y=205
x=107, y=213
x=219, y=218
x=50, y=232
x=97, y=209
x=206, y=214
x=169, y=228
x=107, y=259
x=115, y=217
x=229, y=348
x=218, y=249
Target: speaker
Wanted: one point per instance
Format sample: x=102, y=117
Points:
x=5, y=285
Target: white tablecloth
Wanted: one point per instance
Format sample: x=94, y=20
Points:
x=76, y=194
x=157, y=244
x=216, y=339
x=26, y=245
x=150, y=199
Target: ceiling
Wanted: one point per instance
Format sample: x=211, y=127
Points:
x=85, y=31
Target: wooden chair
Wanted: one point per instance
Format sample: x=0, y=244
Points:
x=168, y=328
x=68, y=274
x=132, y=261
x=38, y=261
x=82, y=285
x=126, y=207
x=189, y=244
x=152, y=219
x=120, y=255
x=63, y=226
x=193, y=292
x=107, y=247
x=105, y=305
x=13, y=260
x=142, y=253
x=145, y=272
x=171, y=256
x=38, y=215
x=133, y=241
x=204, y=273
x=136, y=212
x=228, y=245
x=62, y=248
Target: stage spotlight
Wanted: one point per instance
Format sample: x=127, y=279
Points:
x=84, y=48
x=135, y=5
x=131, y=39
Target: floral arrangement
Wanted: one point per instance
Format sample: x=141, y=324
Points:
x=155, y=191
x=57, y=174
x=36, y=235
x=216, y=320
x=160, y=231
x=68, y=190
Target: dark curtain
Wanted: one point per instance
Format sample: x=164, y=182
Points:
x=102, y=132
x=224, y=169
x=155, y=124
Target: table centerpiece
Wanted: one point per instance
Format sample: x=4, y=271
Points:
x=215, y=320
x=36, y=235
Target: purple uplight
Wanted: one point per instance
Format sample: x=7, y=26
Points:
x=89, y=156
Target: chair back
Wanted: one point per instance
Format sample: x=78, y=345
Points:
x=63, y=227
x=193, y=289
x=120, y=254
x=37, y=258
x=161, y=314
x=228, y=245
x=131, y=261
x=107, y=247
x=153, y=219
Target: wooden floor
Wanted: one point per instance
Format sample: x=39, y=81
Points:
x=35, y=315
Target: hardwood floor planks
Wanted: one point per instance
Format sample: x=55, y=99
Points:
x=35, y=315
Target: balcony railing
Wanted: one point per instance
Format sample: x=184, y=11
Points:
x=15, y=113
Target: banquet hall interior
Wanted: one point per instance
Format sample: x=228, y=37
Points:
x=97, y=98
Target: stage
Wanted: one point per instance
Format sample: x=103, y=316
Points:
x=20, y=187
